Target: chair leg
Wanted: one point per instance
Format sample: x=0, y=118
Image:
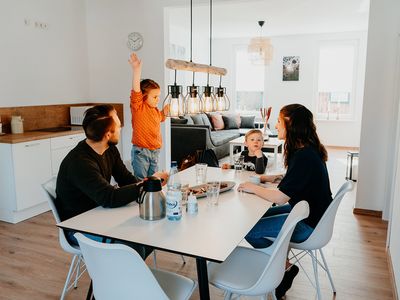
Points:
x=71, y=268
x=327, y=271
x=154, y=259
x=273, y=295
x=315, y=267
x=228, y=295
x=78, y=271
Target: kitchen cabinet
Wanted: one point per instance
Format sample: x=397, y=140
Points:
x=60, y=146
x=23, y=168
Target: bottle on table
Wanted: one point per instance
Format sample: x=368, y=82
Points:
x=174, y=194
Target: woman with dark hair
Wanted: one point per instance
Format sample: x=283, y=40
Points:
x=306, y=179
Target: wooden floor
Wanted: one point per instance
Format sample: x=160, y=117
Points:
x=33, y=266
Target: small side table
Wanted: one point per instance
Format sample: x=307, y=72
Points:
x=352, y=165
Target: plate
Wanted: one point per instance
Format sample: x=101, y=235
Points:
x=200, y=190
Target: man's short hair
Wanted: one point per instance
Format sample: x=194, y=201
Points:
x=98, y=121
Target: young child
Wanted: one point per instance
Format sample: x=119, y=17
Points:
x=146, y=120
x=254, y=159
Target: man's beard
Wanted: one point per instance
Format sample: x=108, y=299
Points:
x=112, y=142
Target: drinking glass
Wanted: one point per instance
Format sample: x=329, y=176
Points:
x=239, y=164
x=184, y=190
x=201, y=173
x=213, y=188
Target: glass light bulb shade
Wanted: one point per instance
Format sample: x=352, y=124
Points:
x=222, y=101
x=208, y=103
x=260, y=51
x=192, y=105
x=174, y=101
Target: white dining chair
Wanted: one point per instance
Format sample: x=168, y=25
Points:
x=253, y=272
x=118, y=272
x=77, y=267
x=319, y=238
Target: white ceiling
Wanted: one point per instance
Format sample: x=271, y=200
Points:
x=239, y=18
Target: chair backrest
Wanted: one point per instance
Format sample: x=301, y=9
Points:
x=275, y=269
x=49, y=188
x=322, y=233
x=118, y=272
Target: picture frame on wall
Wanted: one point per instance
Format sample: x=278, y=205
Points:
x=291, y=68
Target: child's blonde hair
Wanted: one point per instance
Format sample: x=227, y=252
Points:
x=146, y=85
x=253, y=131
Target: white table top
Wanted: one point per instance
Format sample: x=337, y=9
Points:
x=272, y=142
x=211, y=234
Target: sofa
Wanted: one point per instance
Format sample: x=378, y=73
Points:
x=206, y=131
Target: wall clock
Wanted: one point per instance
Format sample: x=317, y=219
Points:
x=135, y=41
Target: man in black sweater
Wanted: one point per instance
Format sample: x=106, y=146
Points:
x=83, y=181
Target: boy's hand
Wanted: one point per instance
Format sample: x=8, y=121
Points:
x=258, y=153
x=226, y=166
x=135, y=62
x=166, y=110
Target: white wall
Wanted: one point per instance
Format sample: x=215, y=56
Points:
x=279, y=93
x=380, y=116
x=43, y=66
x=108, y=26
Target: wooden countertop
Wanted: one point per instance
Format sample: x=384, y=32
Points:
x=37, y=135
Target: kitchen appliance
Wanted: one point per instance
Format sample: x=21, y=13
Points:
x=77, y=114
x=151, y=200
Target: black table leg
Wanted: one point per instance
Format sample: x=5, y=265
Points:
x=202, y=277
x=90, y=291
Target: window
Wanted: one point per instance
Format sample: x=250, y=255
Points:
x=336, y=78
x=249, y=90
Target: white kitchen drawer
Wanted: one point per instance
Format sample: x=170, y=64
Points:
x=66, y=141
x=32, y=167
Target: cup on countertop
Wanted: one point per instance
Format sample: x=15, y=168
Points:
x=255, y=179
x=201, y=173
x=213, y=189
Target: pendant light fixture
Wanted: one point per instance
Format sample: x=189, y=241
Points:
x=208, y=98
x=260, y=49
x=174, y=100
x=192, y=103
x=222, y=101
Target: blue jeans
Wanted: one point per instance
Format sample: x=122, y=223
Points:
x=144, y=161
x=270, y=225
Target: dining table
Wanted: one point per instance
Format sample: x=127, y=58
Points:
x=210, y=235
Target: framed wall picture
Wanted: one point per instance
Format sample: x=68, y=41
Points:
x=291, y=67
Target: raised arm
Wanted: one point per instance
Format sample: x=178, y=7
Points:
x=136, y=65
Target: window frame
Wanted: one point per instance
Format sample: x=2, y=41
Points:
x=353, y=93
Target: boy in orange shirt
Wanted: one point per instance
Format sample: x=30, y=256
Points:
x=146, y=121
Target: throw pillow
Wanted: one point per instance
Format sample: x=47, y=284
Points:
x=197, y=119
x=232, y=118
x=217, y=121
x=206, y=120
x=247, y=121
x=189, y=119
x=230, y=122
x=178, y=121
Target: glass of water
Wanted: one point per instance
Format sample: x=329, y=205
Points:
x=213, y=189
x=201, y=173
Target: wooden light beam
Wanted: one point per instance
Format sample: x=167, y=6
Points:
x=176, y=64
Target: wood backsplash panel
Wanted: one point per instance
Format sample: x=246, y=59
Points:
x=45, y=116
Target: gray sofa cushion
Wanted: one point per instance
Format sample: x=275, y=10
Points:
x=179, y=121
x=197, y=119
x=206, y=120
x=230, y=122
x=189, y=119
x=221, y=137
